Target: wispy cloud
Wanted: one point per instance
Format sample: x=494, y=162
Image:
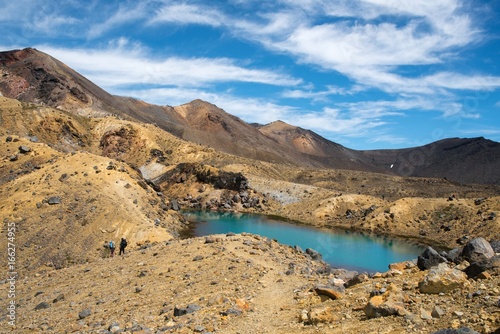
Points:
x=124, y=14
x=318, y=95
x=188, y=14
x=125, y=64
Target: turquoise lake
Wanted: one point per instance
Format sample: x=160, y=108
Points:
x=341, y=249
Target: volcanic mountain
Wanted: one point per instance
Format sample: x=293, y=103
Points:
x=33, y=76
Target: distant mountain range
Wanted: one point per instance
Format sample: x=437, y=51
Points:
x=33, y=76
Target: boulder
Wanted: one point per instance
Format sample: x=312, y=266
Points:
x=429, y=258
x=442, y=279
x=313, y=254
x=478, y=267
x=454, y=255
x=329, y=292
x=24, y=149
x=359, y=278
x=476, y=250
x=387, y=304
x=322, y=314
x=437, y=312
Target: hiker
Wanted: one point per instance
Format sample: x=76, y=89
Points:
x=123, y=244
x=112, y=248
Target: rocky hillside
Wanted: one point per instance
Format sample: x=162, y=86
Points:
x=32, y=76
x=250, y=284
x=464, y=160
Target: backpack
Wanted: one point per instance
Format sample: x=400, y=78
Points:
x=111, y=244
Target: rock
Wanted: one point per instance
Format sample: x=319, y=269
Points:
x=314, y=254
x=304, y=316
x=346, y=275
x=454, y=255
x=424, y=314
x=175, y=205
x=476, y=268
x=24, y=149
x=398, y=266
x=437, y=312
x=360, y=278
x=210, y=240
x=198, y=258
x=463, y=330
x=322, y=314
x=387, y=304
x=54, y=200
x=199, y=329
x=114, y=327
x=338, y=284
x=442, y=279
x=191, y=308
x=328, y=292
x=233, y=311
x=58, y=298
x=476, y=250
x=495, y=244
x=84, y=314
x=429, y=258
x=42, y=306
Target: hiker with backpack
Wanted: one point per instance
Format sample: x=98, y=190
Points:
x=123, y=244
x=111, y=248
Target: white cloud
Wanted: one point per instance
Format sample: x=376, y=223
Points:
x=120, y=65
x=123, y=15
x=372, y=52
x=318, y=96
x=188, y=14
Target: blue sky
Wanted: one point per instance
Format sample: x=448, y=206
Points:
x=368, y=74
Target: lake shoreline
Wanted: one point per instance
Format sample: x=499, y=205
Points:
x=342, y=238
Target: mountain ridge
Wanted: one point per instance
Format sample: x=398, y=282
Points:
x=33, y=76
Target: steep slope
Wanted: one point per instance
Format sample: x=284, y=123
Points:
x=316, y=148
x=209, y=125
x=30, y=75
x=66, y=206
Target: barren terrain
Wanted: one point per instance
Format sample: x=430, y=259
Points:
x=75, y=174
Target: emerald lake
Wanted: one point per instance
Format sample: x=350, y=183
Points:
x=341, y=249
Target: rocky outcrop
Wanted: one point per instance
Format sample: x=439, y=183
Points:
x=475, y=269
x=442, y=279
x=429, y=258
x=476, y=250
